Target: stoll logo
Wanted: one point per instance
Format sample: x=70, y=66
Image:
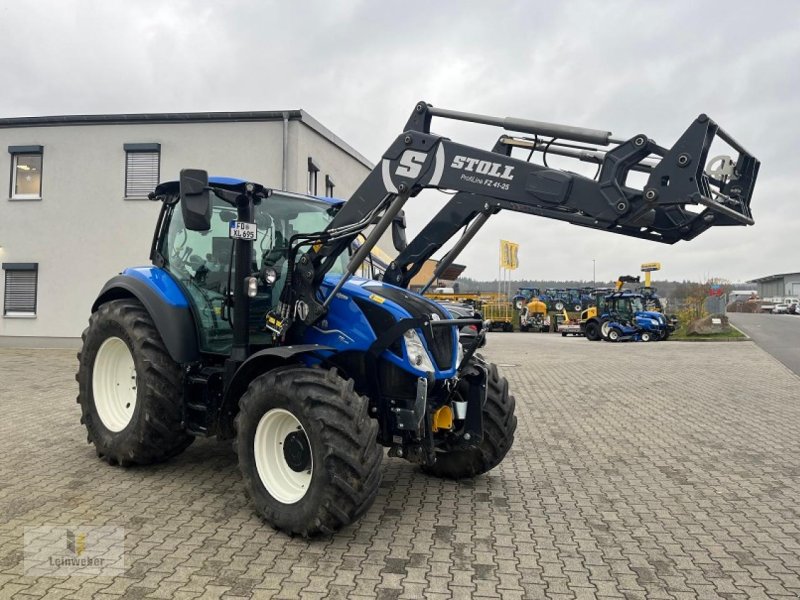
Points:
x=483, y=167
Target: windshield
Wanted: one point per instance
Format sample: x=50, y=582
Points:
x=636, y=305
x=202, y=261
x=281, y=216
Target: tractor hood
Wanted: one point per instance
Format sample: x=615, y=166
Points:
x=365, y=309
x=651, y=314
x=401, y=302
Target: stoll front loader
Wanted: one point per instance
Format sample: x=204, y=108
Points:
x=251, y=325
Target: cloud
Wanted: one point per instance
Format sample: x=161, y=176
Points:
x=360, y=66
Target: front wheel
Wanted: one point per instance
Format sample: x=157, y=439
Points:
x=307, y=450
x=499, y=425
x=646, y=336
x=613, y=335
x=605, y=328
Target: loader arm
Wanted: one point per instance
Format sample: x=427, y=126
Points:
x=657, y=212
x=486, y=181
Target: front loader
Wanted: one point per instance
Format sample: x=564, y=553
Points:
x=250, y=323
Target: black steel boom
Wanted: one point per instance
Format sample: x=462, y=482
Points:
x=487, y=181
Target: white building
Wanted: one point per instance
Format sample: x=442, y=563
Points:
x=77, y=211
x=778, y=286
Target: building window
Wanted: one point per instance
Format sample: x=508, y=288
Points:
x=20, y=290
x=142, y=169
x=329, y=185
x=313, y=172
x=26, y=172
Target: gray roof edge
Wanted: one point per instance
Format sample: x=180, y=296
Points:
x=193, y=117
x=770, y=277
x=333, y=138
x=128, y=118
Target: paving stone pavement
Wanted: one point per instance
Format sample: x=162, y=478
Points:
x=661, y=470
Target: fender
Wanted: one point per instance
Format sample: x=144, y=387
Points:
x=173, y=320
x=255, y=365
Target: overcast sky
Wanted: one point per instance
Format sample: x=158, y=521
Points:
x=359, y=67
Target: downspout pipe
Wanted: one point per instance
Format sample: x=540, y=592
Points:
x=285, y=171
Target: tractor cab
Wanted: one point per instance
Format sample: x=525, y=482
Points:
x=202, y=262
x=624, y=305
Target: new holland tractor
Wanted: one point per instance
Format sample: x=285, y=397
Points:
x=250, y=324
x=626, y=318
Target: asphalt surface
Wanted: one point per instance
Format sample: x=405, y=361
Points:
x=777, y=334
x=639, y=471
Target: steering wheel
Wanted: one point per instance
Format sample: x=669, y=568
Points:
x=195, y=261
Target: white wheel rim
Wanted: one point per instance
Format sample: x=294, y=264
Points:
x=281, y=481
x=114, y=384
x=645, y=337
x=604, y=329
x=613, y=334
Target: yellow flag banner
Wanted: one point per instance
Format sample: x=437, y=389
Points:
x=509, y=255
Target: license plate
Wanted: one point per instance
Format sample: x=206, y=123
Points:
x=239, y=230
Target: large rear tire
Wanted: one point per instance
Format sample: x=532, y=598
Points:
x=129, y=388
x=307, y=450
x=499, y=425
x=592, y=331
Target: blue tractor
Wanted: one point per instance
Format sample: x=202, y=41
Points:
x=250, y=324
x=525, y=295
x=625, y=318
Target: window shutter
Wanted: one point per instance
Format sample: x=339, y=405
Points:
x=141, y=173
x=20, y=291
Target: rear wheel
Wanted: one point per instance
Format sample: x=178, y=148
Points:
x=129, y=388
x=307, y=450
x=499, y=425
x=592, y=331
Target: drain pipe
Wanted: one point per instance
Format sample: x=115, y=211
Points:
x=285, y=173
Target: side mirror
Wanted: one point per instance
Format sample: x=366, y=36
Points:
x=195, y=200
x=399, y=232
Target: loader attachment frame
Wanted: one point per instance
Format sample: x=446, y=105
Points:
x=486, y=181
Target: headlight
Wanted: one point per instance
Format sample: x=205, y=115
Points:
x=417, y=355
